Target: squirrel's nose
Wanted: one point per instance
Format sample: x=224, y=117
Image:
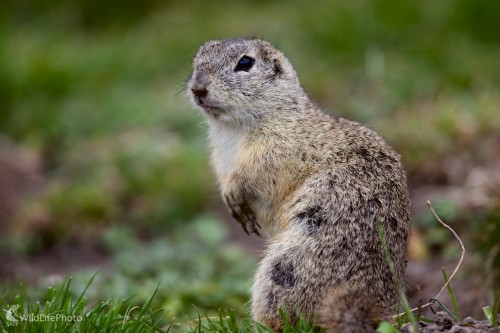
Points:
x=199, y=84
x=199, y=92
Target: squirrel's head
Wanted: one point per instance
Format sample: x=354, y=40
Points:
x=241, y=80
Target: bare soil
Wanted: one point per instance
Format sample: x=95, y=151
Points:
x=443, y=322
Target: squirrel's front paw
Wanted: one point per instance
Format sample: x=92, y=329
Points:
x=242, y=213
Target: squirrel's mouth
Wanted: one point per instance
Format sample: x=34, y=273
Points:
x=209, y=108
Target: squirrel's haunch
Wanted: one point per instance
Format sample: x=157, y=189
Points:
x=347, y=310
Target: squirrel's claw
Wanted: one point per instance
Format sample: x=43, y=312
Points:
x=254, y=225
x=254, y=228
x=244, y=226
x=243, y=214
x=251, y=220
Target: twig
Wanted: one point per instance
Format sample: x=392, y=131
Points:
x=432, y=301
x=461, y=245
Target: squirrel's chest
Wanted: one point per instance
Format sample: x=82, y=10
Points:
x=225, y=151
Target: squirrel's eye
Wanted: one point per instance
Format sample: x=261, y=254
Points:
x=244, y=64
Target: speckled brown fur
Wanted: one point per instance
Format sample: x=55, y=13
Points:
x=314, y=184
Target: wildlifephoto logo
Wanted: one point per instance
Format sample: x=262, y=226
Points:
x=13, y=317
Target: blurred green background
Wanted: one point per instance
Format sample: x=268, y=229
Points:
x=104, y=163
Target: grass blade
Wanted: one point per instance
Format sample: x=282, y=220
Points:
x=452, y=295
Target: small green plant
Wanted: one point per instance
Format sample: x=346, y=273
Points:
x=59, y=311
x=386, y=327
x=492, y=313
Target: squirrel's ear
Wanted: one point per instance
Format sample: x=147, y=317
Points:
x=278, y=67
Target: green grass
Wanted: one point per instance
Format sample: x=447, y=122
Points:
x=59, y=311
x=452, y=296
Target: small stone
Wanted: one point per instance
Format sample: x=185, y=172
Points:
x=469, y=321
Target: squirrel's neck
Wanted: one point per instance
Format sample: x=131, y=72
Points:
x=285, y=108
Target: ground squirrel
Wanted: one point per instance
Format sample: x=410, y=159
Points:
x=316, y=185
